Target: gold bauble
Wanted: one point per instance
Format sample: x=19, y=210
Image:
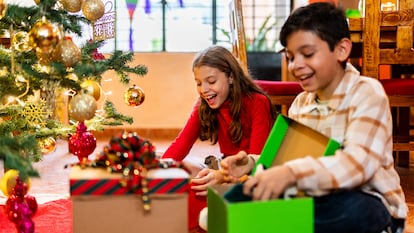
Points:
x=44, y=36
x=43, y=57
x=9, y=100
x=37, y=2
x=3, y=9
x=134, y=96
x=47, y=145
x=72, y=76
x=82, y=107
x=93, y=9
x=8, y=181
x=67, y=52
x=20, y=41
x=92, y=88
x=72, y=6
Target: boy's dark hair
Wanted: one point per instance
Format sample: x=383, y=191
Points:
x=322, y=18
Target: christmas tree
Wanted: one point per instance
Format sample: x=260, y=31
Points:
x=38, y=59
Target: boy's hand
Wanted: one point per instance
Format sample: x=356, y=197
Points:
x=235, y=166
x=270, y=183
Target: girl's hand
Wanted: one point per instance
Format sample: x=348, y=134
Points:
x=235, y=166
x=205, y=178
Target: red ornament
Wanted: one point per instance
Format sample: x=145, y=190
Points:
x=20, y=208
x=96, y=55
x=82, y=143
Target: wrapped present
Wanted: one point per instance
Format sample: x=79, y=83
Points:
x=128, y=189
x=103, y=202
x=229, y=211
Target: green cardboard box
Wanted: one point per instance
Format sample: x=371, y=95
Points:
x=288, y=140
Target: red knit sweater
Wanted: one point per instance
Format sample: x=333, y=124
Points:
x=256, y=120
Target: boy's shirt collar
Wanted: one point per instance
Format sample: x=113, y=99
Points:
x=351, y=74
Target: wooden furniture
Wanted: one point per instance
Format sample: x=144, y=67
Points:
x=386, y=38
x=281, y=93
x=237, y=34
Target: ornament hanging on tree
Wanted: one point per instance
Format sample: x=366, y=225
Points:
x=93, y=9
x=44, y=36
x=82, y=143
x=92, y=88
x=134, y=96
x=82, y=107
x=20, y=42
x=3, y=8
x=67, y=52
x=44, y=59
x=96, y=55
x=72, y=6
x=47, y=145
x=8, y=181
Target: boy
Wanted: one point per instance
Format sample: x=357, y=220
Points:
x=357, y=189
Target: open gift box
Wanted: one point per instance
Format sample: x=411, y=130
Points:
x=287, y=140
x=102, y=204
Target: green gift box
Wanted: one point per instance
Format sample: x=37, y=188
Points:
x=287, y=140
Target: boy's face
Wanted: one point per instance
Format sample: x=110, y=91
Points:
x=313, y=64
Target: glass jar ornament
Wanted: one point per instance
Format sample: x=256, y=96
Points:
x=82, y=143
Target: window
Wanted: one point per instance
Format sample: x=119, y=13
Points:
x=188, y=25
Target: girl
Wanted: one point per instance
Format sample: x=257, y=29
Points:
x=231, y=111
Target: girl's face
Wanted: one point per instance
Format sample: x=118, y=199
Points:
x=313, y=64
x=212, y=85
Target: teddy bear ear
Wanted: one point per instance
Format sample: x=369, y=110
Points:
x=212, y=162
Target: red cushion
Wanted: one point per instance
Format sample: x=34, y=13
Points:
x=280, y=87
x=398, y=86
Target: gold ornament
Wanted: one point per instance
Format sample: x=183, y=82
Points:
x=44, y=58
x=8, y=181
x=72, y=76
x=36, y=113
x=20, y=41
x=82, y=107
x=67, y=52
x=92, y=88
x=3, y=9
x=9, y=100
x=44, y=36
x=93, y=9
x=37, y=2
x=72, y=6
x=47, y=145
x=134, y=96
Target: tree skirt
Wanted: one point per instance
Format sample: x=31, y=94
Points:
x=51, y=217
x=51, y=190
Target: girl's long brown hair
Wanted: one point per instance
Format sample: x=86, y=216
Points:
x=222, y=59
